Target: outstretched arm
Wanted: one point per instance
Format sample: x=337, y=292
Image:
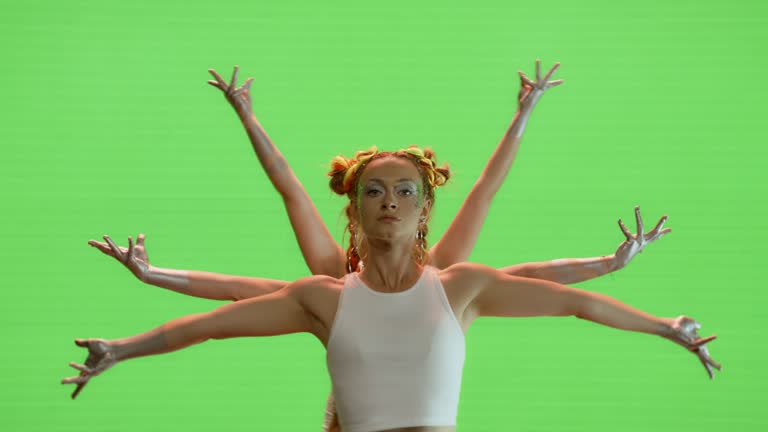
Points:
x=207, y=285
x=460, y=237
x=270, y=315
x=574, y=270
x=500, y=295
x=321, y=252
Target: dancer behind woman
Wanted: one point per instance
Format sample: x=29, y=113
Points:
x=397, y=316
x=319, y=248
x=321, y=252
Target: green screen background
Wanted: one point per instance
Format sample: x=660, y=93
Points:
x=109, y=127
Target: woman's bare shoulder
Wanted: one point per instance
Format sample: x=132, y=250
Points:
x=319, y=295
x=316, y=283
x=466, y=273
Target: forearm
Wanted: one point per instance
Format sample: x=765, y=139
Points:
x=499, y=294
x=500, y=162
x=212, y=286
x=608, y=311
x=171, y=336
x=565, y=271
x=273, y=162
x=271, y=315
x=460, y=237
x=320, y=251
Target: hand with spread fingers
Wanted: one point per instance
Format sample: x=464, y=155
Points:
x=683, y=331
x=634, y=244
x=101, y=356
x=239, y=97
x=134, y=257
x=531, y=91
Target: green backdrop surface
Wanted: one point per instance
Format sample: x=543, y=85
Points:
x=109, y=127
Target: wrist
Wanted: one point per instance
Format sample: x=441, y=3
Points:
x=531, y=100
x=664, y=328
x=118, y=349
x=243, y=111
x=148, y=275
x=166, y=278
x=613, y=263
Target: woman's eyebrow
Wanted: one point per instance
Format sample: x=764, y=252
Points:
x=399, y=181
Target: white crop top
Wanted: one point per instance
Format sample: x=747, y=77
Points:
x=395, y=359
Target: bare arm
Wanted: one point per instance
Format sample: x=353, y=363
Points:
x=460, y=237
x=564, y=271
x=274, y=314
x=574, y=270
x=321, y=252
x=207, y=285
x=501, y=295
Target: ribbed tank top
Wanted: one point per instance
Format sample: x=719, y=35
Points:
x=395, y=359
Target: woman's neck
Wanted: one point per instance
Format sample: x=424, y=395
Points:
x=390, y=267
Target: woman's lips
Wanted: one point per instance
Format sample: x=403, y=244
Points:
x=389, y=219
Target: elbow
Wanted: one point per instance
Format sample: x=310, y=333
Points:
x=580, y=305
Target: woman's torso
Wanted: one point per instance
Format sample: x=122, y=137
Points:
x=323, y=301
x=323, y=304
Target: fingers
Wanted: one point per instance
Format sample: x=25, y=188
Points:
x=82, y=368
x=551, y=71
x=713, y=363
x=140, y=240
x=103, y=247
x=233, y=82
x=244, y=88
x=130, y=247
x=707, y=367
x=554, y=83
x=115, y=250
x=80, y=379
x=701, y=341
x=85, y=372
x=78, y=389
x=707, y=361
x=640, y=230
x=219, y=80
x=527, y=81
x=657, y=232
x=538, y=70
x=704, y=354
x=626, y=232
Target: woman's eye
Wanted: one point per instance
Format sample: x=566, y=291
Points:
x=373, y=192
x=406, y=192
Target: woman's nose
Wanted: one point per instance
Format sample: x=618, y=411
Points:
x=389, y=204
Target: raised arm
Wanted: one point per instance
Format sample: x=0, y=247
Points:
x=275, y=314
x=460, y=237
x=500, y=295
x=207, y=285
x=321, y=252
x=574, y=270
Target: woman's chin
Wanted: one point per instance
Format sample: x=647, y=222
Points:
x=387, y=234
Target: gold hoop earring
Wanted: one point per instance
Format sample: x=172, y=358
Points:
x=421, y=240
x=354, y=250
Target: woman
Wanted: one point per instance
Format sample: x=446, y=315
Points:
x=416, y=313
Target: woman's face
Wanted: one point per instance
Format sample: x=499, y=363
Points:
x=390, y=199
